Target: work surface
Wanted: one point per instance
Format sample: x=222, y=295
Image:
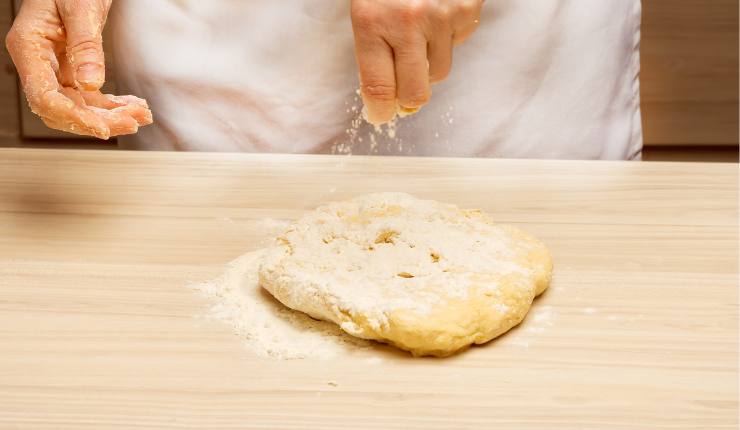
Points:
x=98, y=327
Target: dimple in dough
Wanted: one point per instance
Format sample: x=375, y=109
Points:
x=427, y=277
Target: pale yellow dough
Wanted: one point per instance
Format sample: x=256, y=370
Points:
x=424, y=276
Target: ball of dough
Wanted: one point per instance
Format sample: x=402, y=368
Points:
x=427, y=277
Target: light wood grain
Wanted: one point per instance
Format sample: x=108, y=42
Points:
x=689, y=75
x=97, y=327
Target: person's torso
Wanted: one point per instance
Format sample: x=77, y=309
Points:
x=538, y=79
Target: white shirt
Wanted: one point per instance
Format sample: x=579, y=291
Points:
x=539, y=79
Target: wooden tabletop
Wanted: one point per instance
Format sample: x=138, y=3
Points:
x=97, y=326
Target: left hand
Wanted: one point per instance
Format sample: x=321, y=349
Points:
x=57, y=48
x=402, y=46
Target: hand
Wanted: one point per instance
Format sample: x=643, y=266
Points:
x=57, y=48
x=404, y=45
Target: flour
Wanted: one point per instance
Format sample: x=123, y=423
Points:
x=544, y=316
x=273, y=226
x=354, y=143
x=408, y=260
x=268, y=328
x=539, y=322
x=589, y=311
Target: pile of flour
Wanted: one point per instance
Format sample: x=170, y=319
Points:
x=268, y=328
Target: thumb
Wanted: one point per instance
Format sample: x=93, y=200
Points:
x=83, y=21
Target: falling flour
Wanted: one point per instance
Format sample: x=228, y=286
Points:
x=376, y=135
x=268, y=328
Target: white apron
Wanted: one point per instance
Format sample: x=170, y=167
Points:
x=539, y=79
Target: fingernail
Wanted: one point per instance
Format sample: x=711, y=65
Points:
x=404, y=111
x=90, y=74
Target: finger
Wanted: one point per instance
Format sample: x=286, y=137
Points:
x=83, y=22
x=128, y=100
x=377, y=78
x=62, y=113
x=440, y=57
x=66, y=74
x=129, y=105
x=110, y=101
x=119, y=120
x=412, y=73
x=33, y=56
x=68, y=127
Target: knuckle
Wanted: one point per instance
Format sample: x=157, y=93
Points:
x=379, y=91
x=413, y=11
x=86, y=48
x=17, y=42
x=364, y=16
x=12, y=39
x=468, y=7
x=444, y=13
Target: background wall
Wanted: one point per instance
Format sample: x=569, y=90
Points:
x=9, y=117
x=689, y=84
x=690, y=72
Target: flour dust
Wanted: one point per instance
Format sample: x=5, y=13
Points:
x=268, y=328
x=361, y=138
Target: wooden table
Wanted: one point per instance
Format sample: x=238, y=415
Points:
x=97, y=327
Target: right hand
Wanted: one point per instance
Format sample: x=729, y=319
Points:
x=57, y=48
x=403, y=46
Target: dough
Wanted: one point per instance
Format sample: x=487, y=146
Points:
x=427, y=277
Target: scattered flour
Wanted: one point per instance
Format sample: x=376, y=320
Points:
x=543, y=316
x=538, y=322
x=268, y=328
x=273, y=226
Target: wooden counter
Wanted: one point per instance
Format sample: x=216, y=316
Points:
x=97, y=326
